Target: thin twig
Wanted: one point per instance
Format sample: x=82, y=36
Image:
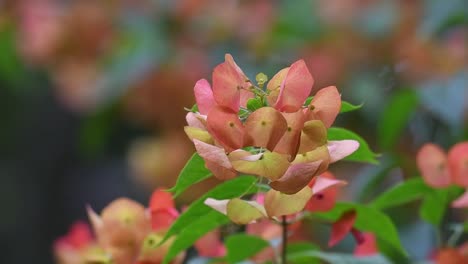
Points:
x=284, y=224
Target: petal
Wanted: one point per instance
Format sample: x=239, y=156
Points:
x=204, y=96
x=226, y=128
x=289, y=143
x=274, y=86
x=295, y=88
x=163, y=218
x=216, y=160
x=245, y=94
x=278, y=204
x=368, y=247
x=218, y=205
x=324, y=189
x=342, y=227
x=340, y=149
x=314, y=134
x=325, y=181
x=199, y=134
x=268, y=164
x=326, y=105
x=458, y=164
x=462, y=201
x=228, y=80
x=432, y=163
x=265, y=127
x=210, y=245
x=296, y=177
x=244, y=212
x=94, y=219
x=320, y=153
x=196, y=120
x=161, y=199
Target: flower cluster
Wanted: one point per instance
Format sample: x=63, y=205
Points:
x=271, y=131
x=440, y=170
x=126, y=232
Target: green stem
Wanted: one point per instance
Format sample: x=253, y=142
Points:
x=284, y=224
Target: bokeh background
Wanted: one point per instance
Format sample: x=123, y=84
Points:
x=92, y=96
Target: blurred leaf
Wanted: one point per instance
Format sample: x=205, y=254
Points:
x=362, y=154
x=301, y=253
x=198, y=227
x=348, y=107
x=372, y=220
x=376, y=176
x=240, y=247
x=11, y=69
x=199, y=219
x=435, y=204
x=395, y=116
x=96, y=130
x=193, y=172
x=401, y=193
x=340, y=258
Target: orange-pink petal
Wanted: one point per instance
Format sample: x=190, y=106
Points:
x=265, y=127
x=314, y=135
x=216, y=160
x=326, y=105
x=289, y=143
x=295, y=88
x=161, y=199
x=228, y=80
x=368, y=247
x=225, y=126
x=210, y=245
x=340, y=149
x=203, y=96
x=342, y=227
x=432, y=163
x=462, y=201
x=458, y=164
x=325, y=190
x=296, y=177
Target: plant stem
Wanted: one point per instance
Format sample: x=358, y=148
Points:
x=284, y=224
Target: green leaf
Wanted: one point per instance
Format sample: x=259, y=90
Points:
x=401, y=193
x=436, y=202
x=375, y=178
x=300, y=253
x=241, y=246
x=193, y=231
x=362, y=154
x=395, y=117
x=348, y=107
x=369, y=219
x=308, y=100
x=191, y=224
x=254, y=104
x=193, y=172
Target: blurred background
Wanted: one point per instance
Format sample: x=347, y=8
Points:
x=92, y=96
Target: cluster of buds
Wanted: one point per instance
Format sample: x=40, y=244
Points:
x=272, y=130
x=440, y=170
x=125, y=232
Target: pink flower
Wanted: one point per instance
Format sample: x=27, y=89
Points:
x=284, y=141
x=72, y=248
x=440, y=170
x=366, y=242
